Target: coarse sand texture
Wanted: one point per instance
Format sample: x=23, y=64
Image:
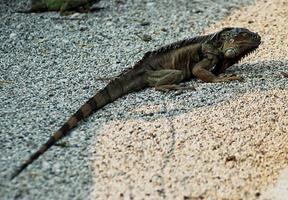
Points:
x=228, y=156
x=232, y=150
x=223, y=141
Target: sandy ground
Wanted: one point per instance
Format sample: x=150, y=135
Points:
x=222, y=141
x=236, y=149
x=52, y=65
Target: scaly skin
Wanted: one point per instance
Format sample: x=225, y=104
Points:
x=202, y=57
x=63, y=6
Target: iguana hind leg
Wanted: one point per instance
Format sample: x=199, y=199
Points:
x=166, y=79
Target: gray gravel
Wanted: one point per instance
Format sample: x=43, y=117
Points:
x=52, y=67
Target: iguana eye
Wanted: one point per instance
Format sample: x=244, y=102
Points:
x=244, y=34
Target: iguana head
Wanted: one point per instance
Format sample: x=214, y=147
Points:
x=238, y=42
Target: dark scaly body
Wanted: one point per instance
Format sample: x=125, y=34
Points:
x=202, y=57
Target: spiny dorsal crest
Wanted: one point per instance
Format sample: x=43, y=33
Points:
x=214, y=37
x=186, y=42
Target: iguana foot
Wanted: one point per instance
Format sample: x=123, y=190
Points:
x=227, y=75
x=228, y=78
x=178, y=88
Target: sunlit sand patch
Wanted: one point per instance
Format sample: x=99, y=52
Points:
x=231, y=150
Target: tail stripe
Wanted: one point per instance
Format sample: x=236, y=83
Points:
x=65, y=128
x=34, y=156
x=92, y=103
x=86, y=110
x=72, y=122
x=79, y=115
x=116, y=83
x=57, y=135
x=105, y=94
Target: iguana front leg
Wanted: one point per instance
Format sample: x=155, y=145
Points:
x=201, y=71
x=166, y=79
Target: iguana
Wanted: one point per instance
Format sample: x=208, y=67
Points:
x=202, y=57
x=63, y=6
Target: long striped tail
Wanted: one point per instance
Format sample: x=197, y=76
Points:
x=130, y=81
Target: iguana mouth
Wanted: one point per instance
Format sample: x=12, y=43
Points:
x=250, y=44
